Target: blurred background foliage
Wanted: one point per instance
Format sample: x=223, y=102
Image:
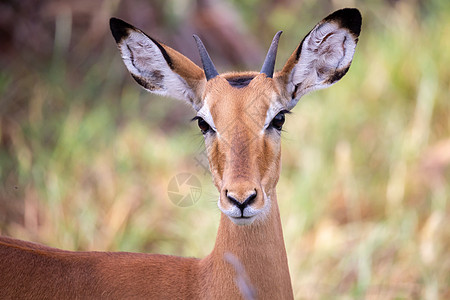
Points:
x=86, y=156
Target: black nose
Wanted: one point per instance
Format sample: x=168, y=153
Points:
x=242, y=205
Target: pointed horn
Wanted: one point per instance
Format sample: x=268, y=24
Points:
x=269, y=62
x=208, y=66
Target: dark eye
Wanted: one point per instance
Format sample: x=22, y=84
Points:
x=203, y=125
x=278, y=121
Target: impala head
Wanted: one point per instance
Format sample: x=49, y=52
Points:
x=241, y=114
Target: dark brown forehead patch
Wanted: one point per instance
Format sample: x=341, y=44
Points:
x=239, y=81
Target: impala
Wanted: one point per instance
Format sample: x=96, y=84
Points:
x=241, y=116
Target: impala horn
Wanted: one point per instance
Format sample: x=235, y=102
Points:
x=208, y=66
x=269, y=62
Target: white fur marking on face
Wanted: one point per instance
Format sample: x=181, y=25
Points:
x=205, y=114
x=251, y=214
x=274, y=108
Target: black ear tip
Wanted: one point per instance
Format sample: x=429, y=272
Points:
x=349, y=18
x=119, y=28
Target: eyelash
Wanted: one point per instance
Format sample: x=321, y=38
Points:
x=277, y=123
x=202, y=124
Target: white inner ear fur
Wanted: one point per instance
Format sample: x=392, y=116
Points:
x=327, y=50
x=145, y=61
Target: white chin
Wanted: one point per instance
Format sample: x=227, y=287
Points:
x=242, y=221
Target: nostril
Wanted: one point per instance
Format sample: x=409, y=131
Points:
x=241, y=205
x=250, y=199
x=233, y=200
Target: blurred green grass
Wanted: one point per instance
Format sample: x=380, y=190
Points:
x=364, y=192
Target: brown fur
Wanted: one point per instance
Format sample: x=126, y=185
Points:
x=244, y=158
x=94, y=275
x=190, y=72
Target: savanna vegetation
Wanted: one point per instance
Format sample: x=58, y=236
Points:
x=86, y=156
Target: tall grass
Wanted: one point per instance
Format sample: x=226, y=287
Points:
x=364, y=192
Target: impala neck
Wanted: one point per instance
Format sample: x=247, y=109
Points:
x=260, y=250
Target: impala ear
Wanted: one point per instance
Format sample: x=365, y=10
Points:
x=157, y=67
x=323, y=57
